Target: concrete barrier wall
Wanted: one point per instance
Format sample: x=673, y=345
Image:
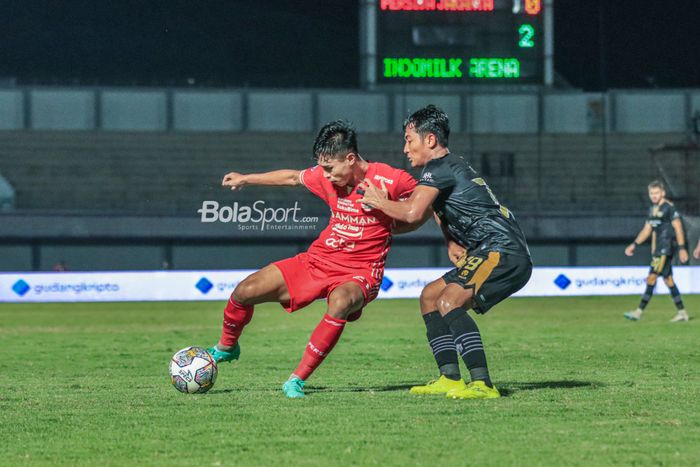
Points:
x=473, y=110
x=133, y=110
x=208, y=111
x=62, y=109
x=11, y=110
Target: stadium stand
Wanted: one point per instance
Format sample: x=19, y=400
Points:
x=173, y=172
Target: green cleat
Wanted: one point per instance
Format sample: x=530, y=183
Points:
x=293, y=388
x=223, y=356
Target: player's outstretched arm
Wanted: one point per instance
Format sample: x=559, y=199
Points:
x=642, y=237
x=416, y=209
x=680, y=238
x=285, y=177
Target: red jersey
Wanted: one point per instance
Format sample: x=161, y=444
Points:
x=355, y=237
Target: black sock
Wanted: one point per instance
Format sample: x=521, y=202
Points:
x=676, y=295
x=468, y=340
x=648, y=293
x=442, y=344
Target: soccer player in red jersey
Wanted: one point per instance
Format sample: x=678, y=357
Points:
x=344, y=265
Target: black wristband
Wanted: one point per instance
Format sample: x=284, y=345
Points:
x=682, y=247
x=635, y=243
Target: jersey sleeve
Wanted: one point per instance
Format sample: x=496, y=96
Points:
x=673, y=213
x=405, y=185
x=312, y=179
x=437, y=174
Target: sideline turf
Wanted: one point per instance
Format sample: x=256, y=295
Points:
x=87, y=384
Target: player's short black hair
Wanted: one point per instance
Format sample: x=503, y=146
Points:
x=656, y=184
x=430, y=119
x=335, y=140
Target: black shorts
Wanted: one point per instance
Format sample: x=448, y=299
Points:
x=661, y=265
x=494, y=277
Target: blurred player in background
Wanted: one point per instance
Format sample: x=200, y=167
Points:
x=665, y=228
x=345, y=264
x=696, y=251
x=493, y=258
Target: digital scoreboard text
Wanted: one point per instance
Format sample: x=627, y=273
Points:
x=459, y=41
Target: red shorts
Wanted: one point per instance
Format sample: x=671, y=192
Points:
x=308, y=280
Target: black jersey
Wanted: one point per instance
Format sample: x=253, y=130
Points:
x=661, y=220
x=469, y=210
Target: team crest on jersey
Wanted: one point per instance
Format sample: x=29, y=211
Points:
x=427, y=177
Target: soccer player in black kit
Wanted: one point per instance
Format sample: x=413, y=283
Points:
x=484, y=242
x=665, y=228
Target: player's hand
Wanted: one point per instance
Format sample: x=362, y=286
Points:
x=629, y=251
x=683, y=255
x=457, y=253
x=235, y=180
x=373, y=195
x=696, y=252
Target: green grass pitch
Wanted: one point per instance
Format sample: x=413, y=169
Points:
x=87, y=384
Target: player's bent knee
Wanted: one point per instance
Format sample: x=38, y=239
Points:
x=340, y=306
x=428, y=300
x=446, y=303
x=339, y=314
x=430, y=294
x=651, y=280
x=342, y=303
x=245, y=292
x=669, y=281
x=342, y=310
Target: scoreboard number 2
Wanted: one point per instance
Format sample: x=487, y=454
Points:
x=527, y=34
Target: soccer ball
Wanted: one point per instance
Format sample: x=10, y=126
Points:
x=193, y=370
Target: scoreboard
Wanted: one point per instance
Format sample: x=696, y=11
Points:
x=459, y=41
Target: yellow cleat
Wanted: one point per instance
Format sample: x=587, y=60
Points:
x=474, y=390
x=442, y=385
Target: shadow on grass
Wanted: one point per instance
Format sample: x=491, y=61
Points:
x=386, y=388
x=509, y=388
x=224, y=391
x=313, y=389
x=506, y=389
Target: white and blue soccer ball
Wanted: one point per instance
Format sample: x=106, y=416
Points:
x=193, y=370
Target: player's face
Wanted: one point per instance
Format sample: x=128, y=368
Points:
x=415, y=148
x=656, y=195
x=338, y=171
